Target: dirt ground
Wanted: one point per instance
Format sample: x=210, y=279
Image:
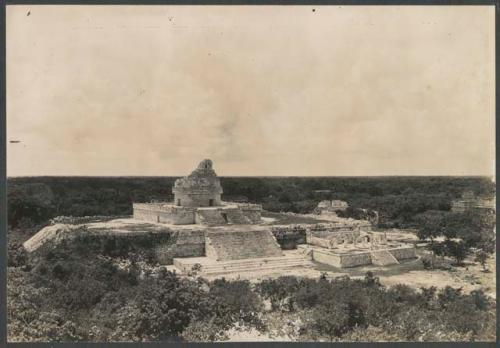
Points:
x=410, y=272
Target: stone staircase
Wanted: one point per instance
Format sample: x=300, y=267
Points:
x=236, y=217
x=242, y=266
x=236, y=245
x=210, y=217
x=383, y=258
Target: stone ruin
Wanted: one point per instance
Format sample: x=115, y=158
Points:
x=328, y=207
x=217, y=237
x=354, y=245
x=197, y=200
x=356, y=238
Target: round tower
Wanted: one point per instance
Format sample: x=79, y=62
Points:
x=201, y=188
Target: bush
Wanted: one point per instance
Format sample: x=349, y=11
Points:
x=16, y=255
x=232, y=302
x=281, y=292
x=204, y=331
x=482, y=257
x=457, y=250
x=331, y=319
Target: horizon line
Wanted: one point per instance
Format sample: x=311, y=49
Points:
x=255, y=176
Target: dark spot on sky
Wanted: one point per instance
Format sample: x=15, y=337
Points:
x=27, y=14
x=314, y=10
x=14, y=141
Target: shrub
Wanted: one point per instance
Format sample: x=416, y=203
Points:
x=16, y=255
x=280, y=291
x=457, y=250
x=482, y=257
x=159, y=309
x=331, y=319
x=204, y=331
x=232, y=302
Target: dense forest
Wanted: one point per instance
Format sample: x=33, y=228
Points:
x=33, y=200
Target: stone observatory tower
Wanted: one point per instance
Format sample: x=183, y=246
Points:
x=197, y=200
x=201, y=188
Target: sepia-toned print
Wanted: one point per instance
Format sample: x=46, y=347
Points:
x=251, y=173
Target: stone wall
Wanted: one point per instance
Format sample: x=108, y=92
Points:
x=76, y=220
x=341, y=260
x=165, y=245
x=210, y=216
x=404, y=253
x=163, y=213
x=353, y=260
x=327, y=258
x=197, y=199
x=289, y=237
x=321, y=242
x=252, y=212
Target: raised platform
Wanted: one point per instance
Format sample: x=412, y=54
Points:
x=208, y=266
x=359, y=257
x=227, y=213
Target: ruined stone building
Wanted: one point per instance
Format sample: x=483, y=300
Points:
x=197, y=200
x=198, y=230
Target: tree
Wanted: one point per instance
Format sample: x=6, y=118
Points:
x=457, y=250
x=233, y=301
x=438, y=249
x=431, y=225
x=370, y=280
x=331, y=319
x=280, y=291
x=482, y=257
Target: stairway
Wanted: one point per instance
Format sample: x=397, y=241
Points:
x=210, y=217
x=383, y=258
x=236, y=245
x=236, y=217
x=247, y=265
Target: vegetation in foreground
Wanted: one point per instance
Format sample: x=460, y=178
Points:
x=81, y=293
x=76, y=294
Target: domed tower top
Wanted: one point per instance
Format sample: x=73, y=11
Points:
x=201, y=188
x=205, y=164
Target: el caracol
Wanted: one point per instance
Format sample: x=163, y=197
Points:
x=198, y=230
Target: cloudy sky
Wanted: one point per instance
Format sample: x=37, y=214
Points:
x=261, y=90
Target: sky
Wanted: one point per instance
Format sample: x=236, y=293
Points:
x=260, y=90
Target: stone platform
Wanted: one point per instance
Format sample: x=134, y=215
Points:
x=353, y=257
x=208, y=266
x=228, y=213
